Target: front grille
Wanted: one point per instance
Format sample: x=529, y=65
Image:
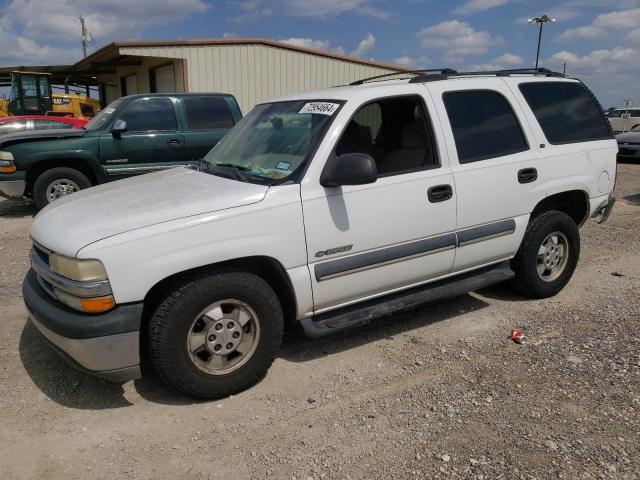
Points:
x=42, y=252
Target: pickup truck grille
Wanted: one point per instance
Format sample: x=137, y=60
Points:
x=43, y=254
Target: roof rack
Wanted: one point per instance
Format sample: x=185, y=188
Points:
x=440, y=71
x=499, y=73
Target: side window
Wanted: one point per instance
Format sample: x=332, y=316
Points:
x=150, y=115
x=395, y=131
x=207, y=113
x=566, y=112
x=13, y=127
x=484, y=125
x=49, y=124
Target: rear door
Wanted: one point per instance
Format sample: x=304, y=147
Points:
x=207, y=120
x=496, y=165
x=153, y=140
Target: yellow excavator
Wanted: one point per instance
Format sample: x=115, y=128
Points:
x=31, y=94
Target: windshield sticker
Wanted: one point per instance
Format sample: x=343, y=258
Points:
x=109, y=110
x=283, y=166
x=321, y=108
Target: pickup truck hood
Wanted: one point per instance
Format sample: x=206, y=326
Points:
x=629, y=137
x=73, y=222
x=40, y=135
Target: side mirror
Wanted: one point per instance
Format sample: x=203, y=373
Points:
x=119, y=127
x=349, y=169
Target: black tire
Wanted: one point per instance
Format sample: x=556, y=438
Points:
x=527, y=280
x=47, y=177
x=172, y=322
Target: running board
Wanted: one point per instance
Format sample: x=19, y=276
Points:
x=363, y=313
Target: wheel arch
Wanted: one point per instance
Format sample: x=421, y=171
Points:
x=574, y=203
x=41, y=165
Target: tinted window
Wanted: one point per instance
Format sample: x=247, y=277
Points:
x=150, y=114
x=208, y=113
x=484, y=125
x=566, y=112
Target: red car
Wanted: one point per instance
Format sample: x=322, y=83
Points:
x=38, y=122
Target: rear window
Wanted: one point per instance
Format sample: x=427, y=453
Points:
x=567, y=112
x=484, y=125
x=208, y=113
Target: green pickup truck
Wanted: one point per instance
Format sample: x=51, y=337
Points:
x=133, y=135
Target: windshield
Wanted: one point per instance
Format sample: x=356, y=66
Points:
x=104, y=116
x=273, y=141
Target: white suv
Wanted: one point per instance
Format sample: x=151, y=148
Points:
x=327, y=208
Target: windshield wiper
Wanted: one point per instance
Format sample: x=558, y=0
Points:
x=238, y=170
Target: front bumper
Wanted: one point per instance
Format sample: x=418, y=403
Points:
x=105, y=345
x=12, y=184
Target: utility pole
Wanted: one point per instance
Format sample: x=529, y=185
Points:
x=564, y=69
x=86, y=36
x=540, y=21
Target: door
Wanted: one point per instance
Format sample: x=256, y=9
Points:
x=163, y=79
x=151, y=142
x=367, y=240
x=496, y=166
x=207, y=120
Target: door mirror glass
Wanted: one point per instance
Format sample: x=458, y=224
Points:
x=349, y=169
x=119, y=127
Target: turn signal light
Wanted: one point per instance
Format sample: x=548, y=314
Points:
x=8, y=169
x=97, y=305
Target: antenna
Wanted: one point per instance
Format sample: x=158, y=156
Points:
x=87, y=38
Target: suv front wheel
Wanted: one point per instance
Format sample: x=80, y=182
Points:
x=547, y=256
x=216, y=334
x=58, y=182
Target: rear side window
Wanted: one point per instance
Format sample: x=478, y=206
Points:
x=484, y=125
x=566, y=112
x=208, y=113
x=150, y=115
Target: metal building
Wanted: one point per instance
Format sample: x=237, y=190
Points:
x=251, y=69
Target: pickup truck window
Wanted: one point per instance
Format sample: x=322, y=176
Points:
x=274, y=140
x=208, y=113
x=150, y=115
x=566, y=112
x=484, y=125
x=395, y=132
x=105, y=116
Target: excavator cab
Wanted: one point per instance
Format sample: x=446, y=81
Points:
x=30, y=94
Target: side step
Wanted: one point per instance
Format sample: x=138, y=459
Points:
x=363, y=313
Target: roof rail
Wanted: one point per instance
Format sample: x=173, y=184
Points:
x=441, y=71
x=499, y=73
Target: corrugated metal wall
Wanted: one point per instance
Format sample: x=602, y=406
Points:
x=254, y=73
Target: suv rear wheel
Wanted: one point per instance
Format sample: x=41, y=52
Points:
x=547, y=256
x=56, y=183
x=216, y=334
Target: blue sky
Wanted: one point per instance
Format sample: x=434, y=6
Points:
x=599, y=40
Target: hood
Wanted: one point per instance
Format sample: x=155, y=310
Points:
x=72, y=222
x=40, y=135
x=629, y=137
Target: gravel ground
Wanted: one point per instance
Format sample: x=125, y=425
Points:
x=436, y=393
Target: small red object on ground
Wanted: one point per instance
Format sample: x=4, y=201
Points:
x=518, y=337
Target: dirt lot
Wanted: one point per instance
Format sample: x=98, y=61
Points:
x=440, y=392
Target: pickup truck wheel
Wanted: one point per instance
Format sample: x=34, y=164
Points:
x=547, y=256
x=56, y=183
x=216, y=334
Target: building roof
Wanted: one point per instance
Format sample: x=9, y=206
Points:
x=109, y=55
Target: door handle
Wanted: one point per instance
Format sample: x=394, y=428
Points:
x=527, y=175
x=174, y=142
x=440, y=193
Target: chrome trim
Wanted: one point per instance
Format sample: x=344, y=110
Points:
x=73, y=287
x=138, y=170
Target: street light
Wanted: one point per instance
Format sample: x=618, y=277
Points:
x=540, y=21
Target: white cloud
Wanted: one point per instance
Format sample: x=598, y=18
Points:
x=26, y=51
x=456, y=39
x=410, y=62
x=509, y=59
x=365, y=45
x=604, y=24
x=308, y=43
x=634, y=36
x=106, y=19
x=312, y=8
x=474, y=6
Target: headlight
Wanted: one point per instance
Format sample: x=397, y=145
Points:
x=76, y=269
x=6, y=162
